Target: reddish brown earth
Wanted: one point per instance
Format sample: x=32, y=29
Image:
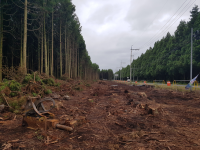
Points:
x=116, y=117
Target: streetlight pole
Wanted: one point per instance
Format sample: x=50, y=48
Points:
x=131, y=61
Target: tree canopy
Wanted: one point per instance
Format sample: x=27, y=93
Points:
x=169, y=59
x=44, y=36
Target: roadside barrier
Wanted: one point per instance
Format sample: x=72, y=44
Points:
x=195, y=84
x=174, y=83
x=163, y=82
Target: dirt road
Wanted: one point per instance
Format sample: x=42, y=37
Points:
x=114, y=116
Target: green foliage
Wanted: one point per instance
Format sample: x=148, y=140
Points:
x=58, y=84
x=27, y=79
x=40, y=137
x=13, y=94
x=64, y=17
x=30, y=77
x=2, y=88
x=16, y=111
x=48, y=91
x=14, y=85
x=34, y=94
x=106, y=74
x=169, y=58
x=49, y=81
x=16, y=104
x=4, y=84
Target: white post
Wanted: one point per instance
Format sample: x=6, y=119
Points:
x=130, y=65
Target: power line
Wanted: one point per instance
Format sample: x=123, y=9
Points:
x=165, y=24
x=175, y=20
x=150, y=41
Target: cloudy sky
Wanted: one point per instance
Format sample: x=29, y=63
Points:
x=111, y=27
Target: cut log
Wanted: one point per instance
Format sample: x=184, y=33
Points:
x=154, y=109
x=142, y=94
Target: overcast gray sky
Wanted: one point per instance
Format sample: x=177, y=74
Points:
x=111, y=27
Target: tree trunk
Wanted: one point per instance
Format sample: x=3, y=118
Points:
x=70, y=59
x=42, y=51
x=52, y=48
x=45, y=50
x=48, y=49
x=73, y=60
x=1, y=40
x=78, y=64
x=21, y=50
x=39, y=60
x=25, y=37
x=60, y=52
x=85, y=72
x=65, y=50
x=76, y=61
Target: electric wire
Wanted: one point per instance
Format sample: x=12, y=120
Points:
x=172, y=23
x=147, y=43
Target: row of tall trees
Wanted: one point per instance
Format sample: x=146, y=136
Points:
x=106, y=74
x=169, y=59
x=44, y=36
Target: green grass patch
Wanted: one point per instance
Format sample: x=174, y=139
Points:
x=48, y=91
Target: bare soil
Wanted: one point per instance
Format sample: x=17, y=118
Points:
x=117, y=116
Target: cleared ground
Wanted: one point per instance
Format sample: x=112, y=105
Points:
x=116, y=116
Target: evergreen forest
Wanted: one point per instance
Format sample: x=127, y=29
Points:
x=169, y=58
x=43, y=36
x=106, y=74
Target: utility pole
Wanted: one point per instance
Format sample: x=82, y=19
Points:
x=131, y=61
x=191, y=54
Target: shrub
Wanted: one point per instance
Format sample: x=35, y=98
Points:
x=14, y=86
x=13, y=94
x=16, y=104
x=49, y=81
x=2, y=87
x=30, y=77
x=27, y=79
x=4, y=84
x=37, y=78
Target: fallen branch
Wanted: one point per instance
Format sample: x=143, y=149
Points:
x=14, y=141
